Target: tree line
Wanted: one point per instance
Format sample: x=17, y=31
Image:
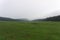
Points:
x=54, y=18
x=11, y=19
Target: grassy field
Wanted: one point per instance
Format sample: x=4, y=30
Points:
x=29, y=30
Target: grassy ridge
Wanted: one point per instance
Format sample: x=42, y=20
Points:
x=29, y=31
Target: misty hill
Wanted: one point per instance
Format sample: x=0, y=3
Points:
x=54, y=18
x=10, y=19
x=6, y=19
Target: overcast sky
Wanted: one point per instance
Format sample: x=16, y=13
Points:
x=31, y=9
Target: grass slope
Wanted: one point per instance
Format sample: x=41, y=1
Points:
x=29, y=31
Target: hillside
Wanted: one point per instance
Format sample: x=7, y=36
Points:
x=54, y=18
x=11, y=19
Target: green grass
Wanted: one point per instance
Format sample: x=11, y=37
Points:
x=29, y=30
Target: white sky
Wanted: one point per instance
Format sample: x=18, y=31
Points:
x=31, y=9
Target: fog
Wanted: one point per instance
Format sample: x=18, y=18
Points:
x=30, y=9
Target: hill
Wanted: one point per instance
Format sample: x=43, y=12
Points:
x=54, y=18
x=11, y=19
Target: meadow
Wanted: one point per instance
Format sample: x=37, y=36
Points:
x=29, y=30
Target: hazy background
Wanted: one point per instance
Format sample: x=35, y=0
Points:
x=31, y=9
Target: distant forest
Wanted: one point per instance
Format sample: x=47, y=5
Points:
x=11, y=19
x=54, y=18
